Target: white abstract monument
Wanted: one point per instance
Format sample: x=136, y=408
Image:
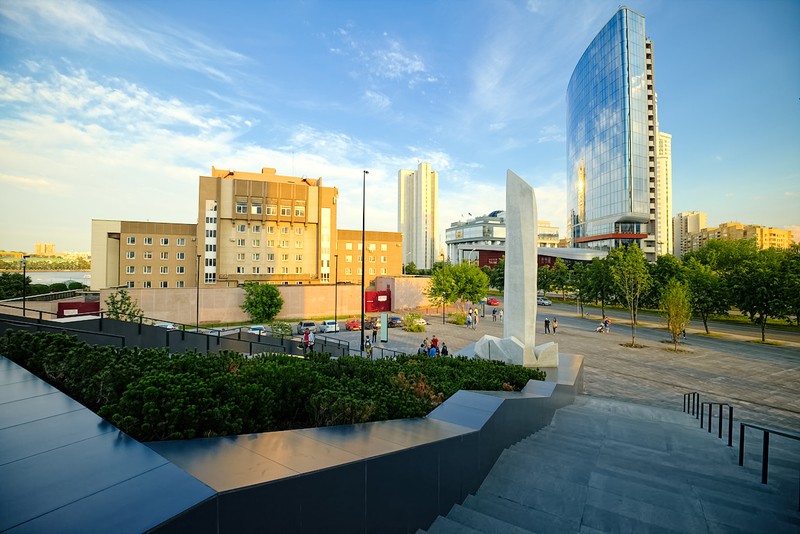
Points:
x=518, y=344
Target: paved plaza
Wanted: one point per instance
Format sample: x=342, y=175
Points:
x=761, y=381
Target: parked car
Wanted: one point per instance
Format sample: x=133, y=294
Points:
x=302, y=325
x=420, y=322
x=491, y=301
x=326, y=327
x=371, y=322
x=168, y=326
x=542, y=301
x=395, y=322
x=352, y=324
x=257, y=330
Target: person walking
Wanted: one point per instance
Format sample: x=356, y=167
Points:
x=546, y=325
x=494, y=315
x=475, y=319
x=368, y=348
x=374, y=331
x=501, y=315
x=444, y=350
x=308, y=341
x=606, y=325
x=469, y=321
x=555, y=325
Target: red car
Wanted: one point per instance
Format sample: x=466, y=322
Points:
x=352, y=324
x=491, y=301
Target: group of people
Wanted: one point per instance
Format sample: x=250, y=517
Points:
x=472, y=318
x=497, y=312
x=433, y=348
x=605, y=326
x=548, y=324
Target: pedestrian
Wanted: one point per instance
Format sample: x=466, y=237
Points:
x=427, y=344
x=469, y=321
x=434, y=342
x=555, y=325
x=444, y=352
x=494, y=315
x=422, y=349
x=368, y=348
x=374, y=332
x=475, y=319
x=308, y=341
x=606, y=325
x=501, y=315
x=432, y=352
x=546, y=325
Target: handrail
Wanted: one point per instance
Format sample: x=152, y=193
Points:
x=60, y=328
x=691, y=401
x=765, y=447
x=730, y=419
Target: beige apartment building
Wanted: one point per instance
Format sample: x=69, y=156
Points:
x=259, y=227
x=764, y=237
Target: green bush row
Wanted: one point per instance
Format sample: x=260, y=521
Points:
x=154, y=395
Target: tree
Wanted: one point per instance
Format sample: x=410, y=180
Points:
x=561, y=277
x=410, y=268
x=497, y=276
x=791, y=275
x=758, y=287
x=457, y=283
x=441, y=290
x=724, y=256
x=708, y=291
x=677, y=308
x=120, y=305
x=665, y=269
x=11, y=285
x=262, y=302
x=544, y=279
x=632, y=279
x=601, y=282
x=580, y=280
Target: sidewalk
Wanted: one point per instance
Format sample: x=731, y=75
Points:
x=761, y=381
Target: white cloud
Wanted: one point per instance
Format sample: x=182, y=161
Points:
x=377, y=100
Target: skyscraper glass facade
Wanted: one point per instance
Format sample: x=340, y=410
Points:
x=608, y=174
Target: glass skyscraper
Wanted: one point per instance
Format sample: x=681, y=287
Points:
x=612, y=128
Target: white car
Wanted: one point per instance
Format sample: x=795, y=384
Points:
x=329, y=326
x=257, y=330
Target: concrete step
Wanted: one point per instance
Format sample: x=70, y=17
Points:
x=482, y=522
x=443, y=525
x=610, y=466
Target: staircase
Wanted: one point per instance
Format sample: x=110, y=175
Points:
x=610, y=466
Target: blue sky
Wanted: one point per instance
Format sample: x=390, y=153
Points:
x=111, y=110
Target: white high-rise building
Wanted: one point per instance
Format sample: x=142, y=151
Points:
x=418, y=215
x=683, y=224
x=663, y=220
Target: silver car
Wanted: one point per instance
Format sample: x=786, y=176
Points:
x=302, y=325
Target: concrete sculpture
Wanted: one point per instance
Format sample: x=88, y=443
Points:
x=518, y=344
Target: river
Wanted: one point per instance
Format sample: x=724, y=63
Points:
x=54, y=277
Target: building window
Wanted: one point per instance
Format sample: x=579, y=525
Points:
x=164, y=269
x=359, y=246
x=210, y=278
x=179, y=283
x=240, y=242
x=270, y=229
x=211, y=262
x=180, y=256
x=284, y=230
x=372, y=270
x=241, y=206
x=256, y=228
x=358, y=271
x=298, y=257
x=165, y=241
x=348, y=270
x=383, y=259
x=284, y=244
x=383, y=247
x=256, y=270
x=299, y=211
x=372, y=259
x=284, y=257
x=211, y=248
x=180, y=269
x=163, y=284
x=298, y=270
x=241, y=228
x=147, y=269
x=284, y=270
x=211, y=233
x=240, y=270
x=240, y=256
x=181, y=241
x=348, y=246
x=255, y=209
x=270, y=257
x=272, y=209
x=298, y=230
x=383, y=270
x=147, y=255
x=164, y=255
x=211, y=220
x=130, y=269
x=148, y=240
x=256, y=257
x=131, y=240
x=256, y=242
x=348, y=259
x=147, y=285
x=270, y=270
x=270, y=242
x=286, y=210
x=131, y=284
x=371, y=247
x=130, y=255
x=298, y=244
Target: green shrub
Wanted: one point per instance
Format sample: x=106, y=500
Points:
x=412, y=322
x=59, y=286
x=459, y=318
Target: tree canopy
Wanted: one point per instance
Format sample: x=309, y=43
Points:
x=262, y=302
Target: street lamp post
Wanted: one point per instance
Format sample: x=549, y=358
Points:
x=336, y=291
x=363, y=247
x=197, y=297
x=24, y=283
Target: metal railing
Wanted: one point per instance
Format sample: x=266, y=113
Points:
x=765, y=448
x=730, y=418
x=691, y=402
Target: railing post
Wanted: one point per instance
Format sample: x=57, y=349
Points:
x=710, y=407
x=741, y=443
x=765, y=458
x=696, y=405
x=720, y=420
x=730, y=426
x=702, y=425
